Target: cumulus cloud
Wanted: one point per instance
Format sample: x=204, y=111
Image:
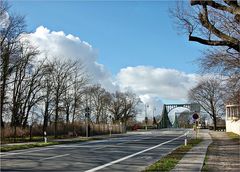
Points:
x=157, y=86
x=168, y=84
x=4, y=20
x=152, y=104
x=57, y=44
x=153, y=85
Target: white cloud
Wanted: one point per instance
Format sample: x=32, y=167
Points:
x=56, y=44
x=4, y=20
x=168, y=84
x=157, y=86
x=154, y=86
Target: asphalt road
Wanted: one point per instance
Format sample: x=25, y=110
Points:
x=131, y=152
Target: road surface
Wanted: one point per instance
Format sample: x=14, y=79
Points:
x=131, y=152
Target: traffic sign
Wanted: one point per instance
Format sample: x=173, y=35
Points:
x=195, y=116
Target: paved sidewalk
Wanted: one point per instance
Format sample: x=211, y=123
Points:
x=223, y=154
x=193, y=160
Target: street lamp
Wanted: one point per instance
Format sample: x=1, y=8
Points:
x=153, y=119
x=146, y=118
x=154, y=109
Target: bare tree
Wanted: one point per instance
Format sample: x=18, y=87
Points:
x=73, y=95
x=116, y=106
x=47, y=91
x=208, y=94
x=214, y=23
x=61, y=78
x=32, y=91
x=9, y=49
x=79, y=82
x=226, y=64
x=100, y=100
x=130, y=106
x=20, y=82
x=123, y=106
x=210, y=22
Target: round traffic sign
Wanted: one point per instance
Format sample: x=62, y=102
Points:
x=195, y=116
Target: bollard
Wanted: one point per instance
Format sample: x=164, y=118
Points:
x=45, y=137
x=110, y=130
x=185, y=140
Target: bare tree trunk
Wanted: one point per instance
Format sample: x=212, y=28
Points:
x=215, y=123
x=56, y=117
x=214, y=115
x=73, y=116
x=3, y=85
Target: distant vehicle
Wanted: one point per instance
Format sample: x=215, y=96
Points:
x=221, y=124
x=135, y=127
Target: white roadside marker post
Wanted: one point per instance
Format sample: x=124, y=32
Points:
x=45, y=137
x=185, y=140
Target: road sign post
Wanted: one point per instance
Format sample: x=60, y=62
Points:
x=146, y=122
x=195, y=116
x=110, y=126
x=87, y=115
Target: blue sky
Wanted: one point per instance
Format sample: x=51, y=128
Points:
x=124, y=33
x=136, y=44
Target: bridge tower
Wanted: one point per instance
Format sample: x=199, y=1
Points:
x=164, y=121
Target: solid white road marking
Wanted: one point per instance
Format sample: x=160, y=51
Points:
x=16, y=153
x=58, y=156
x=76, y=146
x=130, y=156
x=121, y=143
x=52, y=147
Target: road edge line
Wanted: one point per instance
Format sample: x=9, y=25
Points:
x=132, y=155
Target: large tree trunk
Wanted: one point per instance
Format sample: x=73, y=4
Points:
x=215, y=123
x=67, y=114
x=214, y=115
x=5, y=61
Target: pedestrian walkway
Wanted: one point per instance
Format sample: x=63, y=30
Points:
x=193, y=160
x=223, y=154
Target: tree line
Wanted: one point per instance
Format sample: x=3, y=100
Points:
x=50, y=90
x=216, y=25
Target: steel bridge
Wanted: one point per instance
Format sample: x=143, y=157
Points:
x=164, y=120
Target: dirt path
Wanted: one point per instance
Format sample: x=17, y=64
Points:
x=223, y=154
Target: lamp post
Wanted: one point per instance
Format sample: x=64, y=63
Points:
x=146, y=118
x=154, y=109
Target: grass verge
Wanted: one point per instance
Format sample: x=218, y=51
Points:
x=233, y=136
x=26, y=146
x=168, y=162
x=7, y=148
x=205, y=166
